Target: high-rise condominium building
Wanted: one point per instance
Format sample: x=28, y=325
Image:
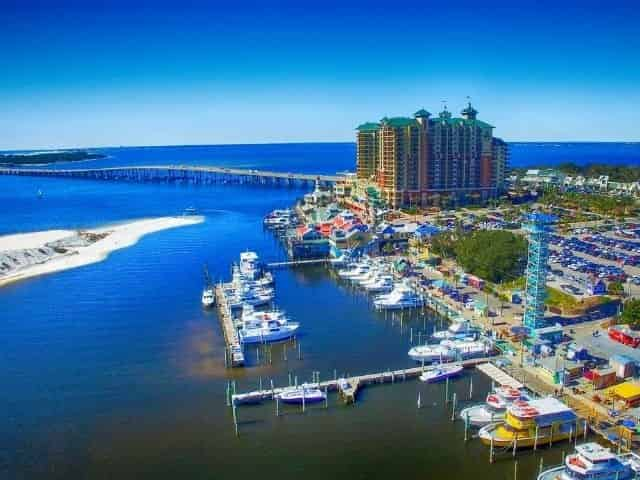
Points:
x=424, y=160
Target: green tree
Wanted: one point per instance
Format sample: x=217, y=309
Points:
x=495, y=255
x=615, y=288
x=631, y=313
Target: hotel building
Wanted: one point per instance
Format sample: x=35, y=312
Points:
x=423, y=161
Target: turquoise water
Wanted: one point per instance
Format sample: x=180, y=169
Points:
x=113, y=370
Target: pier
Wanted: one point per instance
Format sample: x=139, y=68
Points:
x=356, y=382
x=234, y=355
x=187, y=174
x=295, y=263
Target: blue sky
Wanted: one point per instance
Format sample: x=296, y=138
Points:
x=81, y=74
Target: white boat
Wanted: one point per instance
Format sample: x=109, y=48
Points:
x=432, y=353
x=305, y=393
x=382, y=284
x=250, y=297
x=355, y=271
x=250, y=266
x=494, y=408
x=441, y=372
x=399, y=298
x=252, y=316
x=268, y=331
x=457, y=330
x=593, y=461
x=468, y=348
x=208, y=299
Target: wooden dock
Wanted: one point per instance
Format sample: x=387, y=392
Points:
x=355, y=383
x=295, y=263
x=234, y=354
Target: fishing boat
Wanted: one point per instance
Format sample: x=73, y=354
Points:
x=535, y=422
x=253, y=297
x=468, y=347
x=208, y=299
x=593, y=461
x=381, y=284
x=432, y=353
x=252, y=316
x=267, y=331
x=494, y=408
x=305, y=393
x=399, y=298
x=441, y=372
x=349, y=273
x=457, y=330
x=250, y=266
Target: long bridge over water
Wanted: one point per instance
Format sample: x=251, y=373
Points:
x=189, y=174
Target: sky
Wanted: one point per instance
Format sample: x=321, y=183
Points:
x=88, y=73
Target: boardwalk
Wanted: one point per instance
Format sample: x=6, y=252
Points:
x=356, y=382
x=180, y=173
x=233, y=352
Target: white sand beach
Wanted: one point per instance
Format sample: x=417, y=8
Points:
x=26, y=255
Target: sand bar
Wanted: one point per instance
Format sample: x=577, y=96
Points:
x=26, y=255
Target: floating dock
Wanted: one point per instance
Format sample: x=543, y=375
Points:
x=355, y=382
x=234, y=355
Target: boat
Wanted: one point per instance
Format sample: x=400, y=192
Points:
x=189, y=211
x=494, y=408
x=432, y=353
x=593, y=461
x=250, y=266
x=208, y=298
x=305, y=393
x=253, y=297
x=355, y=271
x=535, y=422
x=468, y=347
x=441, y=372
x=267, y=331
x=457, y=330
x=400, y=297
x=252, y=316
x=40, y=193
x=382, y=284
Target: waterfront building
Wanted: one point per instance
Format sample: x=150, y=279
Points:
x=420, y=160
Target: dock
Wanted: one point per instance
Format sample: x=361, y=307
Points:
x=234, y=354
x=295, y=263
x=355, y=383
x=499, y=376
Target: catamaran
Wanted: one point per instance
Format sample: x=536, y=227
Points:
x=593, y=461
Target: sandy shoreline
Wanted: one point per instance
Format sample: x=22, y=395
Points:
x=44, y=257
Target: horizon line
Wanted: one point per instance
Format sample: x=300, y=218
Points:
x=188, y=145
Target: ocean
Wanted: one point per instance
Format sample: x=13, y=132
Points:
x=114, y=370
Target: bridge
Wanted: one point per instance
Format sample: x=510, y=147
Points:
x=189, y=174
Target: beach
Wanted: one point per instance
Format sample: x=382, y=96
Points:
x=26, y=255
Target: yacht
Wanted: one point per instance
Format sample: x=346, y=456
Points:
x=267, y=331
x=535, y=422
x=432, y=353
x=208, y=299
x=251, y=316
x=441, y=372
x=253, y=297
x=382, y=284
x=593, y=461
x=305, y=393
x=250, y=266
x=399, y=298
x=359, y=269
x=494, y=408
x=457, y=330
x=468, y=348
